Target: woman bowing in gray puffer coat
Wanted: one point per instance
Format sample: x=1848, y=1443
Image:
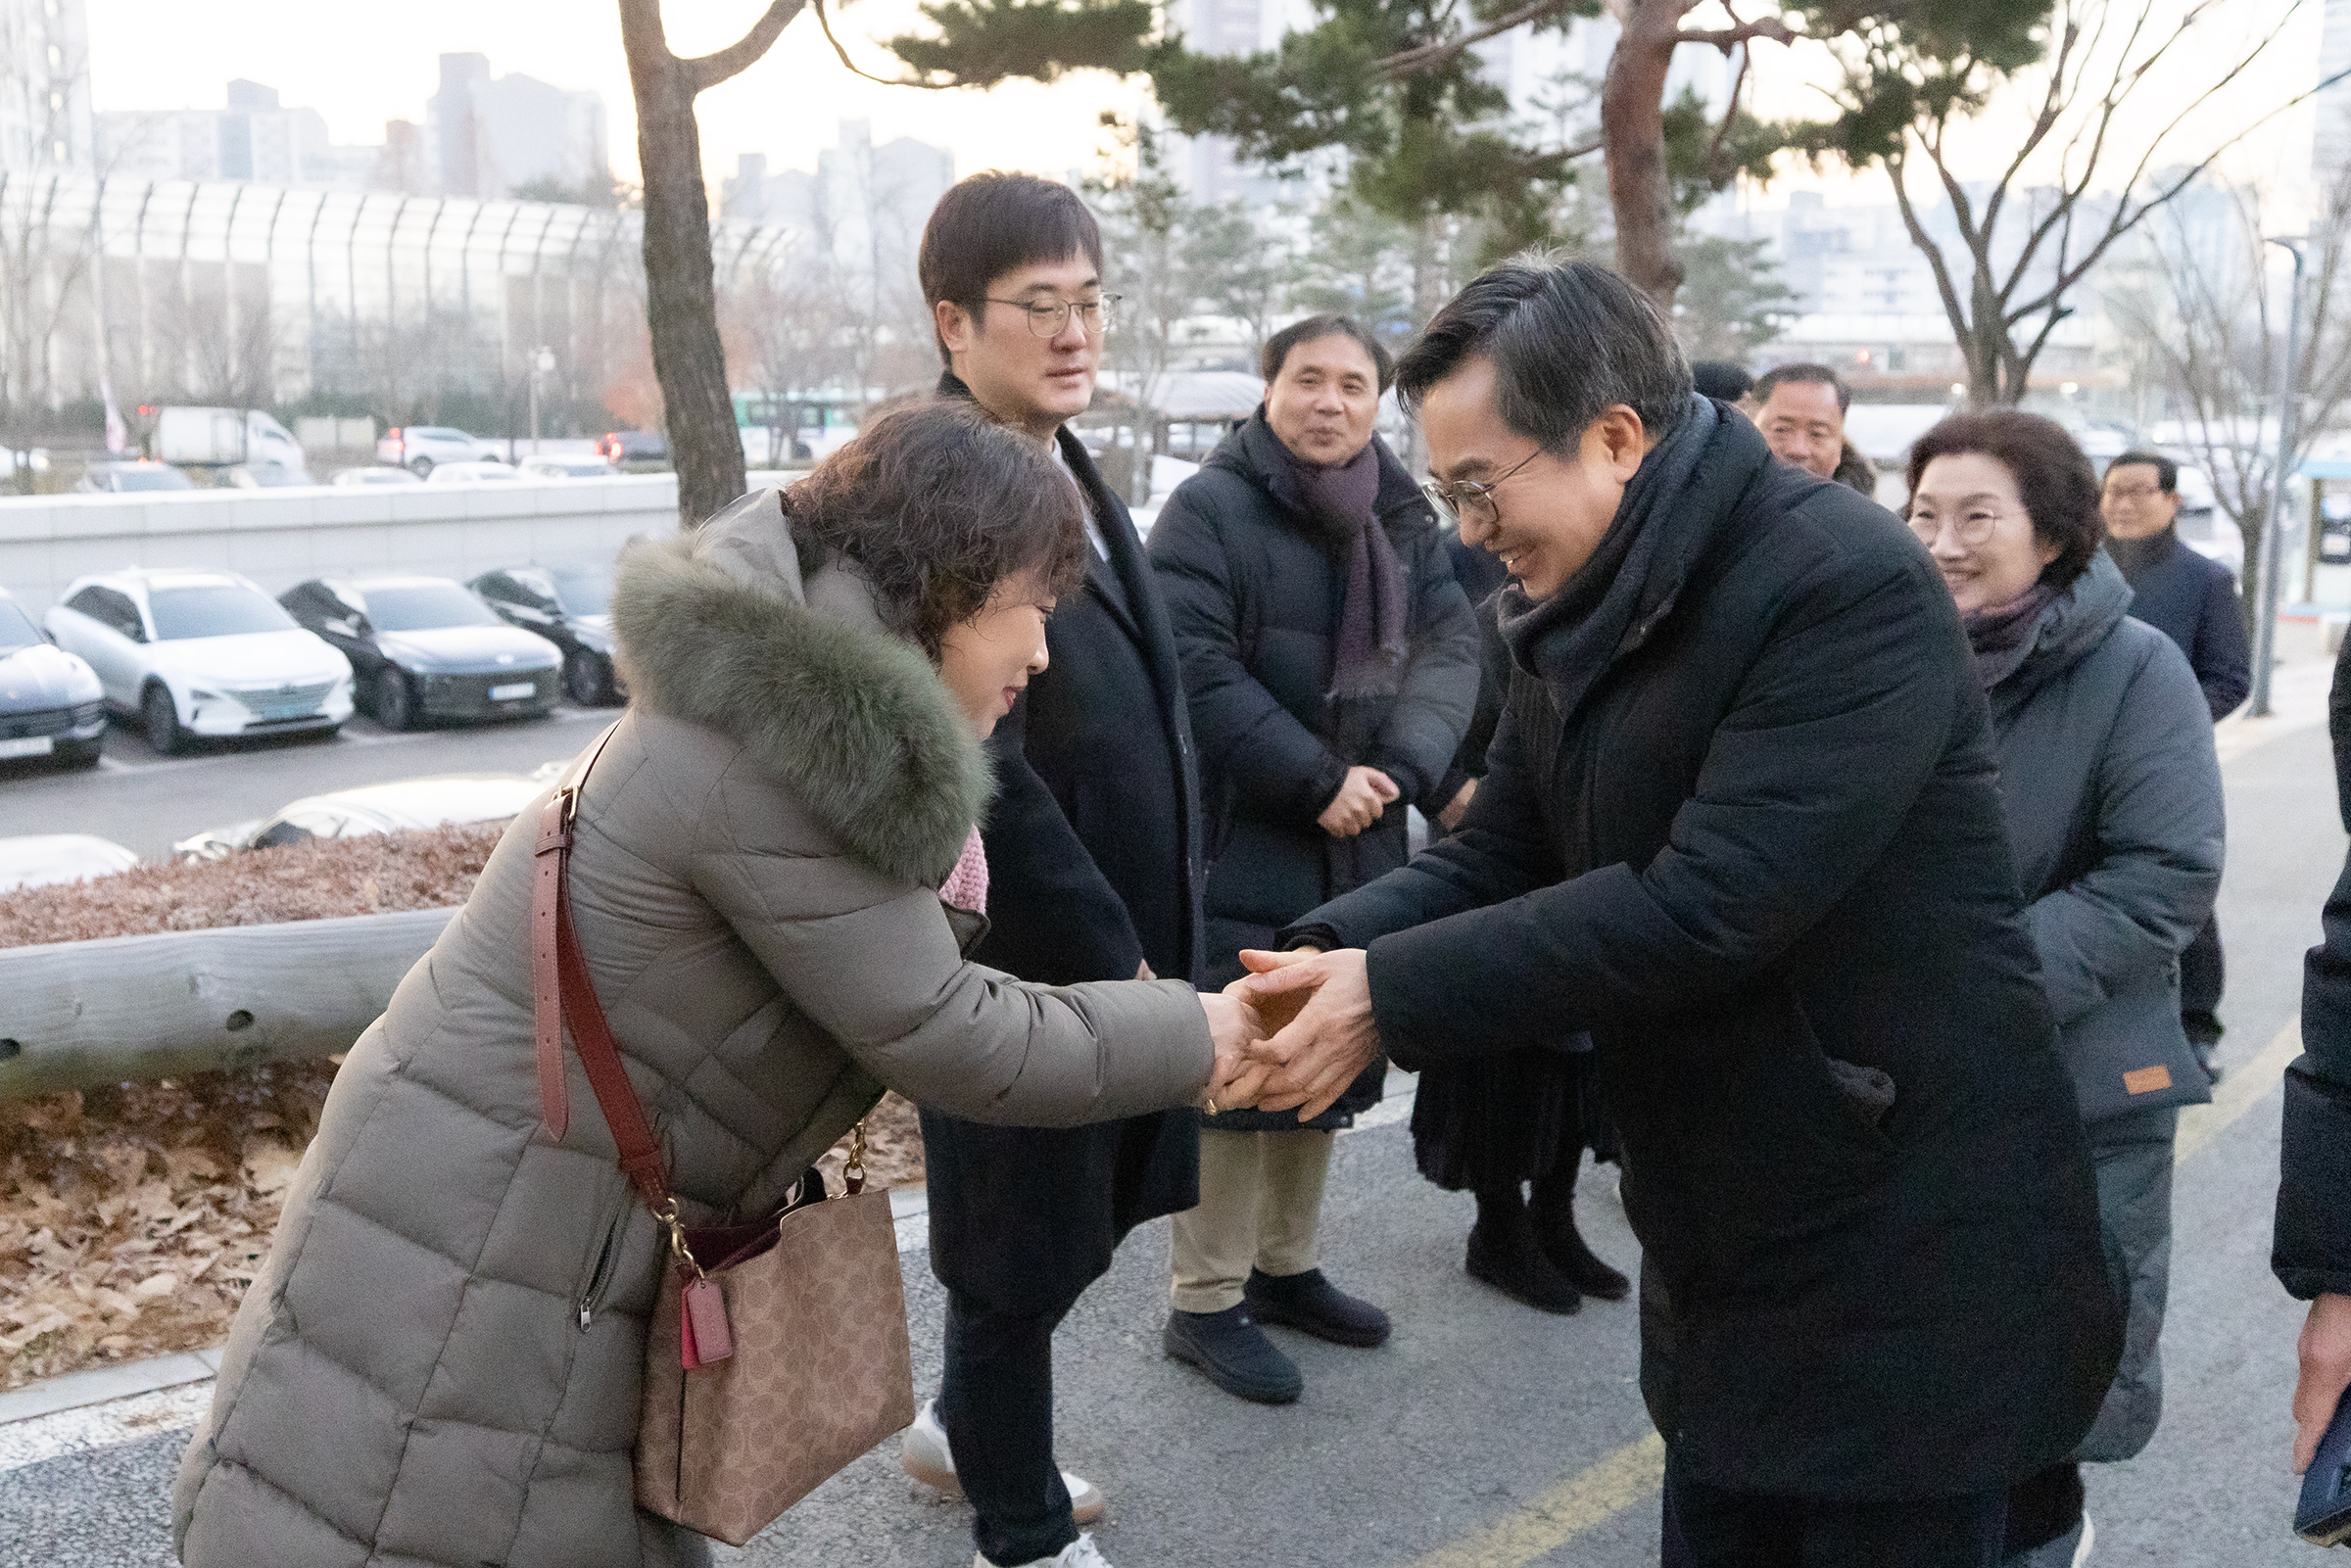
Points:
x=440, y=1363
x=2112, y=795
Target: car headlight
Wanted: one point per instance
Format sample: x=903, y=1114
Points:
x=204, y=694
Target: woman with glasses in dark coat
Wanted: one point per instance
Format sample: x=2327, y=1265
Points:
x=2112, y=795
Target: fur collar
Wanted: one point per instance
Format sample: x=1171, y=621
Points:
x=854, y=721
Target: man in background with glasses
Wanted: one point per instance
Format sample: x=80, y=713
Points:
x=1094, y=863
x=1740, y=823
x=2192, y=601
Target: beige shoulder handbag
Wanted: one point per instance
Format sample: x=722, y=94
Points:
x=778, y=1352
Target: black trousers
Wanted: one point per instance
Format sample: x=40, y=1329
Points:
x=1708, y=1527
x=996, y=1403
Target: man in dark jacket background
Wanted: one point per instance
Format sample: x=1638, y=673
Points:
x=2192, y=601
x=1742, y=823
x=1094, y=873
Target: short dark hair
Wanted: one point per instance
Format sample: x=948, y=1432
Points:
x=2052, y=474
x=937, y=504
x=1276, y=352
x=2167, y=472
x=997, y=222
x=1569, y=340
x=1819, y=375
x=1720, y=379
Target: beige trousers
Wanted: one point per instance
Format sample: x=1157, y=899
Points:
x=1261, y=1200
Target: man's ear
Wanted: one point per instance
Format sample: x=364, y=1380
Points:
x=956, y=328
x=1622, y=441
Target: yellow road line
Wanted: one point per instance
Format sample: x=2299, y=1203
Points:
x=1564, y=1511
x=2241, y=1088
x=1633, y=1472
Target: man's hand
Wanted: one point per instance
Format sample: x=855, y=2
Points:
x=1236, y=1078
x=1142, y=971
x=1319, y=1047
x=1450, y=818
x=1359, y=802
x=2326, y=1353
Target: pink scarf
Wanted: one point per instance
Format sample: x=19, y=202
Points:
x=966, y=886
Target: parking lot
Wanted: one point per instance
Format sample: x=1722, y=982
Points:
x=147, y=802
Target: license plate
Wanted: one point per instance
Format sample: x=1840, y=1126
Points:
x=40, y=745
x=507, y=693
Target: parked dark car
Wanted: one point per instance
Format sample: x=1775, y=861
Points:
x=624, y=447
x=424, y=647
x=571, y=606
x=51, y=704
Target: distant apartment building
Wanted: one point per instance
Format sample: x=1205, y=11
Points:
x=2330, y=130
x=44, y=87
x=863, y=208
x=255, y=138
x=499, y=136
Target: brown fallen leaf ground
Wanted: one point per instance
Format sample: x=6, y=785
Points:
x=133, y=1216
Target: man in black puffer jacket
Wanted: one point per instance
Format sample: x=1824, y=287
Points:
x=1331, y=666
x=1742, y=823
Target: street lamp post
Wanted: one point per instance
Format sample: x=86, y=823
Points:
x=2265, y=612
x=542, y=363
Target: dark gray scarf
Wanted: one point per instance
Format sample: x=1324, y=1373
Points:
x=2002, y=634
x=1342, y=497
x=1570, y=638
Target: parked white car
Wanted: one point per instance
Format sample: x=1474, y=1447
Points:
x=372, y=809
x=201, y=653
x=44, y=860
x=483, y=473
x=50, y=702
x=557, y=468
x=351, y=478
x=421, y=449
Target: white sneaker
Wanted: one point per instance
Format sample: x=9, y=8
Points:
x=1079, y=1553
x=925, y=1456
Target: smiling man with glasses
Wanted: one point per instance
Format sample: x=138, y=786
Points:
x=1741, y=823
x=1094, y=863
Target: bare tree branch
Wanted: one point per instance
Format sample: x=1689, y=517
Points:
x=1427, y=56
x=708, y=70
x=826, y=21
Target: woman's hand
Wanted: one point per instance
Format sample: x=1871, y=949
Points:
x=1236, y=1077
x=1326, y=1035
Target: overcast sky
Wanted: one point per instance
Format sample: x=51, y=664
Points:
x=361, y=65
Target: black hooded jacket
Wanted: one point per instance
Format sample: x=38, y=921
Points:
x=1742, y=823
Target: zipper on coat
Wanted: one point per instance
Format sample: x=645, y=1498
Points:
x=607, y=1261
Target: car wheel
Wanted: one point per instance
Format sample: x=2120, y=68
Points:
x=587, y=679
x=420, y=466
x=395, y=699
x=164, y=734
x=80, y=753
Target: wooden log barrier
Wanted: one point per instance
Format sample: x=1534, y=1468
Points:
x=74, y=1014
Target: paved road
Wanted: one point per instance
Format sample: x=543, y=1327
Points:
x=1486, y=1435
x=147, y=802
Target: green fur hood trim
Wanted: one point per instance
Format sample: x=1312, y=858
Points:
x=855, y=722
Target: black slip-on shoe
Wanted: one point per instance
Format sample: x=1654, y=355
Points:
x=1234, y=1355
x=1314, y=1305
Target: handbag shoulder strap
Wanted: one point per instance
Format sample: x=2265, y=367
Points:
x=564, y=1000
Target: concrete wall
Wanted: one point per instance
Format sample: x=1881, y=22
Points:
x=278, y=538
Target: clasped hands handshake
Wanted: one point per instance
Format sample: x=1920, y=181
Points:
x=1292, y=1034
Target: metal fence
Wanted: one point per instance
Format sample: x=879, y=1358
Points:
x=219, y=292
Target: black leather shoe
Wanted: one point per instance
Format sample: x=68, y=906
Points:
x=1507, y=1257
x=1314, y=1305
x=1234, y=1353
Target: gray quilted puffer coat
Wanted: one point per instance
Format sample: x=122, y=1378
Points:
x=441, y=1362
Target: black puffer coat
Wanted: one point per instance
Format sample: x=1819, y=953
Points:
x=2311, y=1253
x=1254, y=590
x=1742, y=823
